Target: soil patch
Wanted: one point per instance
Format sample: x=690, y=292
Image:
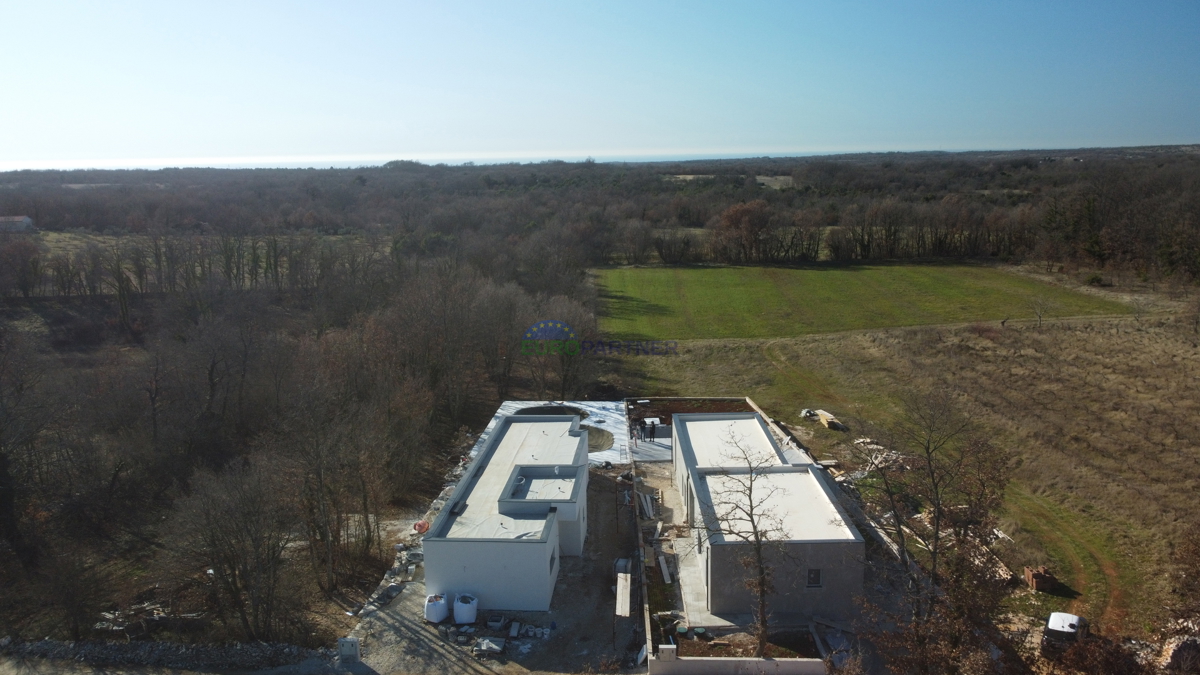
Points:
x=599, y=439
x=553, y=410
x=663, y=408
x=794, y=644
x=586, y=634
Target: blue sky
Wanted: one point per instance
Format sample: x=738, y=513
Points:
x=176, y=83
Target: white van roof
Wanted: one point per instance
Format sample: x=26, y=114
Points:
x=1062, y=621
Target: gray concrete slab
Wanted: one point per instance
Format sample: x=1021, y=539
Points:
x=656, y=449
x=688, y=566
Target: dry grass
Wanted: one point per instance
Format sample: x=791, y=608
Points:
x=1103, y=417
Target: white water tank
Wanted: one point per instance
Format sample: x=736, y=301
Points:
x=465, y=608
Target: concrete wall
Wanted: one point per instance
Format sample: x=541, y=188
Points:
x=506, y=575
x=702, y=665
x=572, y=521
x=571, y=537
x=841, y=579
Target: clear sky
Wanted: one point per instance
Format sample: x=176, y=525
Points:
x=174, y=82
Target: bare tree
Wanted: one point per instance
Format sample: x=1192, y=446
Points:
x=935, y=487
x=239, y=524
x=1141, y=307
x=23, y=415
x=1041, y=306
x=634, y=241
x=742, y=511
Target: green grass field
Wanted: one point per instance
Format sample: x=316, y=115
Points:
x=761, y=302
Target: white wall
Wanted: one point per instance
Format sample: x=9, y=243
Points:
x=702, y=665
x=572, y=522
x=505, y=575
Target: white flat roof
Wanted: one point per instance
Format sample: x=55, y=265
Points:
x=719, y=439
x=797, y=504
x=718, y=449
x=518, y=440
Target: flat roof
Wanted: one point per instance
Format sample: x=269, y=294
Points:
x=719, y=439
x=796, y=504
x=518, y=440
x=718, y=449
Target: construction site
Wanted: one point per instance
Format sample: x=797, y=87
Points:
x=550, y=551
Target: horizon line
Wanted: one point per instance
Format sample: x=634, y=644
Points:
x=345, y=161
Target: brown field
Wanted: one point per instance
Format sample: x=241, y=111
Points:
x=1102, y=415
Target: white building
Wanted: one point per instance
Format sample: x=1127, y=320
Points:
x=520, y=506
x=16, y=224
x=816, y=554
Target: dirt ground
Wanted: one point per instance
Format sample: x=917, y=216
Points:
x=784, y=645
x=664, y=408
x=587, y=634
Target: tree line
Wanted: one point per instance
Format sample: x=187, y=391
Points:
x=1126, y=211
x=259, y=433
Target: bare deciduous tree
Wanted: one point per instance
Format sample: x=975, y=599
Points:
x=239, y=524
x=1041, y=306
x=22, y=417
x=742, y=511
x=935, y=488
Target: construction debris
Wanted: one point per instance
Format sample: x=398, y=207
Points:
x=830, y=421
x=488, y=646
x=145, y=618
x=1180, y=654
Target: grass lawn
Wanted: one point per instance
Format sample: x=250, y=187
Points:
x=1080, y=557
x=665, y=303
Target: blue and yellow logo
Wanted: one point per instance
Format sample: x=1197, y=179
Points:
x=557, y=338
x=550, y=337
x=550, y=330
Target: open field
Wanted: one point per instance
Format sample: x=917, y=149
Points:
x=1103, y=418
x=758, y=302
x=1102, y=415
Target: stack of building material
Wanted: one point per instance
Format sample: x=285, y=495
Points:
x=829, y=420
x=623, y=589
x=1040, y=579
x=647, y=505
x=666, y=573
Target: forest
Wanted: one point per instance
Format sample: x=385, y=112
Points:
x=216, y=384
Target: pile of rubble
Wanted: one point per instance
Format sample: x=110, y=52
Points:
x=144, y=618
x=236, y=656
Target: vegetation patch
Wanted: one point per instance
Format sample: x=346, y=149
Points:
x=684, y=303
x=1100, y=415
x=599, y=439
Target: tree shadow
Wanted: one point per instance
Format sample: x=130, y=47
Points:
x=618, y=305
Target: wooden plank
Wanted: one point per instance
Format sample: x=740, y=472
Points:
x=623, y=594
x=812, y=628
x=662, y=563
x=647, y=505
